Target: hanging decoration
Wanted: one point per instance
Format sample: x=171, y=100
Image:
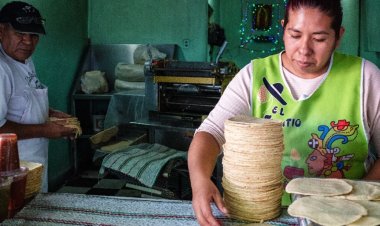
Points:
x=260, y=30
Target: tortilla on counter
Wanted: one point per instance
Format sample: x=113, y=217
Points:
x=327, y=210
x=363, y=190
x=318, y=186
x=373, y=217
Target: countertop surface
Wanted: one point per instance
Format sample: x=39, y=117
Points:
x=79, y=209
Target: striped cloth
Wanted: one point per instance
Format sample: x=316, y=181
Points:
x=54, y=209
x=142, y=162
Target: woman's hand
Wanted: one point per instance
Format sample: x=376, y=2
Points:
x=204, y=193
x=202, y=157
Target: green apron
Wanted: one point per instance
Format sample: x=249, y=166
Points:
x=324, y=134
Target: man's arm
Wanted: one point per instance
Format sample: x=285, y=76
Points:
x=58, y=114
x=46, y=130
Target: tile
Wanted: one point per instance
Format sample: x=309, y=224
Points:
x=128, y=193
x=110, y=184
x=150, y=196
x=91, y=174
x=102, y=191
x=82, y=182
x=76, y=190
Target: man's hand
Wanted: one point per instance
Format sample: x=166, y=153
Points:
x=58, y=114
x=56, y=130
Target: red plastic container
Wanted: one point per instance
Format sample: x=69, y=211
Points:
x=17, y=189
x=9, y=158
x=5, y=195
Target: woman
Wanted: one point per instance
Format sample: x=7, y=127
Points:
x=327, y=101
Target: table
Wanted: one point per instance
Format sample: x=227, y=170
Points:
x=79, y=209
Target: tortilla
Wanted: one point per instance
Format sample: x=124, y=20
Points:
x=327, y=210
x=373, y=217
x=105, y=135
x=363, y=190
x=318, y=186
x=77, y=128
x=71, y=122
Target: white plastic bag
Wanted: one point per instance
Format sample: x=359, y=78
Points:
x=146, y=52
x=121, y=85
x=94, y=82
x=130, y=72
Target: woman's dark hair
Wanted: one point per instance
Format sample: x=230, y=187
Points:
x=332, y=8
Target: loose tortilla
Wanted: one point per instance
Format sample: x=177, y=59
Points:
x=105, y=135
x=318, y=186
x=327, y=210
x=71, y=122
x=373, y=217
x=77, y=128
x=363, y=190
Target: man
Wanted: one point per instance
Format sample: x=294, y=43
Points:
x=322, y=97
x=24, y=107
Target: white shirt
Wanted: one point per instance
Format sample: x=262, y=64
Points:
x=14, y=78
x=24, y=100
x=237, y=99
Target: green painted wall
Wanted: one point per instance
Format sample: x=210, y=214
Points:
x=370, y=31
x=351, y=18
x=230, y=17
x=151, y=21
x=56, y=59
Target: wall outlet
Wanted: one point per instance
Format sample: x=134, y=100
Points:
x=186, y=43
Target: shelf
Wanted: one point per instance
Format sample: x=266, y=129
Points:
x=85, y=136
x=83, y=96
x=89, y=107
x=176, y=126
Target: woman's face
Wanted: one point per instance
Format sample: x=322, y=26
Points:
x=309, y=42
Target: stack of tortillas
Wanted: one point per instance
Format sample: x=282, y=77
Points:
x=33, y=179
x=336, y=201
x=252, y=177
x=71, y=122
x=105, y=135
